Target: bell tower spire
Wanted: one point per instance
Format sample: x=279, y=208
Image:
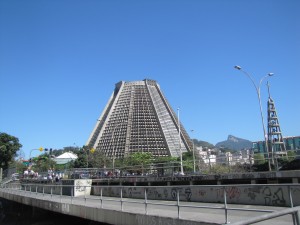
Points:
x=275, y=139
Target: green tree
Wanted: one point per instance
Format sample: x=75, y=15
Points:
x=188, y=161
x=259, y=158
x=9, y=146
x=137, y=161
x=98, y=159
x=220, y=169
x=166, y=165
x=165, y=159
x=291, y=155
x=43, y=163
x=20, y=167
x=260, y=163
x=81, y=161
x=90, y=158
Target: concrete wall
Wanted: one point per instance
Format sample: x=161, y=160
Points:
x=271, y=195
x=82, y=187
x=267, y=195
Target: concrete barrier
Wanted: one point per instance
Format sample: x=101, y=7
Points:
x=70, y=187
x=267, y=195
x=82, y=187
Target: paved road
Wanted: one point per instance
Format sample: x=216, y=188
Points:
x=194, y=211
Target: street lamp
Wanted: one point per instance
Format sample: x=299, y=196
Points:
x=39, y=149
x=35, y=149
x=194, y=154
x=257, y=88
x=180, y=151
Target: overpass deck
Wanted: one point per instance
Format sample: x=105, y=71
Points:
x=123, y=211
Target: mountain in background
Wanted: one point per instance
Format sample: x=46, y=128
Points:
x=203, y=144
x=235, y=143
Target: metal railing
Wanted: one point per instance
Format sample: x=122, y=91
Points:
x=55, y=192
x=292, y=211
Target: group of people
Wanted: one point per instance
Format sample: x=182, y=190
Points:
x=30, y=174
x=51, y=175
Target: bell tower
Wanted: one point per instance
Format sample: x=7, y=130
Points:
x=275, y=139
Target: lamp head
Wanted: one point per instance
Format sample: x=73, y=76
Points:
x=270, y=74
x=237, y=67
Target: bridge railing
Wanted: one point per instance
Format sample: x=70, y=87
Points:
x=290, y=211
x=121, y=194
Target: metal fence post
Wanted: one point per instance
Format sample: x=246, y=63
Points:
x=60, y=193
x=72, y=191
x=178, y=207
x=51, y=191
x=294, y=215
x=225, y=206
x=291, y=197
x=84, y=195
x=297, y=219
x=122, y=199
x=146, y=211
x=101, y=199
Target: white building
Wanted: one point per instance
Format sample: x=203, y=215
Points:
x=65, y=158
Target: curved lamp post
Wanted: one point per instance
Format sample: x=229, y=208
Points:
x=257, y=88
x=39, y=149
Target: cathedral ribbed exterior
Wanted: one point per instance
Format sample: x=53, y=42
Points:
x=138, y=118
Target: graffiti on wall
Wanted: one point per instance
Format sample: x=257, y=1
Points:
x=185, y=193
x=231, y=193
x=79, y=186
x=274, y=197
x=248, y=194
x=133, y=191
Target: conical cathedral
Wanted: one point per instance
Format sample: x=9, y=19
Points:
x=138, y=118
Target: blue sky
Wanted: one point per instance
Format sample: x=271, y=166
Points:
x=60, y=61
